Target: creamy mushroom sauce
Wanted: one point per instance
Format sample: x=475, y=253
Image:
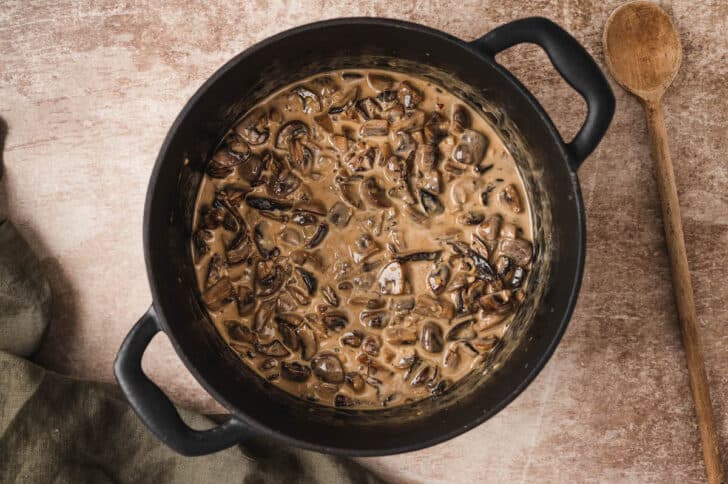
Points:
x=362, y=239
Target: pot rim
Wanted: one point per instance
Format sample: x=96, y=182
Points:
x=580, y=234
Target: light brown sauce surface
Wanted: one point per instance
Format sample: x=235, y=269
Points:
x=372, y=328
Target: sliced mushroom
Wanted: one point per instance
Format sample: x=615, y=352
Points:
x=436, y=128
x=343, y=100
x=471, y=148
x=411, y=121
x=201, y=240
x=430, y=306
x=264, y=240
x=262, y=318
x=515, y=279
x=251, y=170
x=352, y=338
x=489, y=229
x=391, y=279
x=329, y=295
x=245, y=300
x=431, y=338
x=310, y=101
x=299, y=155
x=288, y=333
x=405, y=358
x=289, y=132
x=327, y=367
x=426, y=157
x=318, y=236
x=368, y=109
x=403, y=142
x=274, y=348
x=471, y=217
x=460, y=119
x=371, y=345
x=298, y=294
x=295, y=371
x=335, y=320
x=375, y=127
x=462, y=331
x=239, y=332
x=408, y=95
x=303, y=218
x=438, y=278
x=519, y=250
x=374, y=319
x=355, y=381
x=431, y=203
x=363, y=160
x=269, y=277
x=451, y=358
x=268, y=204
x=309, y=280
x=254, y=128
x=346, y=187
x=223, y=163
x=400, y=336
x=339, y=214
x=373, y=194
x=388, y=99
x=417, y=256
x=307, y=339
x=219, y=295
x=510, y=198
x=215, y=270
x=499, y=302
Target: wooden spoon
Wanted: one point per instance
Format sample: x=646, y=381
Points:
x=643, y=53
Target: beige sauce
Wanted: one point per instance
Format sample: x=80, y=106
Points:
x=372, y=329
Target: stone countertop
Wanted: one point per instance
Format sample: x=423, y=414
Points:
x=89, y=89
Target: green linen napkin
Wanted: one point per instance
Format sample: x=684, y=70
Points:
x=62, y=430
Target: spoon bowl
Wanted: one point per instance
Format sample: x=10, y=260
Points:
x=642, y=49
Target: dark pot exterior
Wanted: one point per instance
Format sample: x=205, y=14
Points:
x=257, y=408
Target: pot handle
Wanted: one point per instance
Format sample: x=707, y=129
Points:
x=155, y=409
x=574, y=64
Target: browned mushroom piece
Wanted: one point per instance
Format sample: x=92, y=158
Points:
x=519, y=250
x=245, y=300
x=490, y=227
x=438, y=278
x=343, y=100
x=471, y=148
x=510, y=198
x=411, y=121
x=408, y=95
x=295, y=371
x=400, y=336
x=289, y=132
x=274, y=348
x=327, y=367
x=460, y=119
x=309, y=100
x=339, y=214
x=368, y=109
x=219, y=294
x=253, y=129
x=373, y=194
x=431, y=337
x=375, y=127
x=307, y=339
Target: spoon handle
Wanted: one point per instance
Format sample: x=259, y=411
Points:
x=684, y=291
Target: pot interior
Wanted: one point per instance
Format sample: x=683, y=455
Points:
x=554, y=200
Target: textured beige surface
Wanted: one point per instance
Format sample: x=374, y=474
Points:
x=88, y=91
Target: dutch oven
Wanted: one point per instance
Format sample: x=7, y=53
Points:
x=547, y=163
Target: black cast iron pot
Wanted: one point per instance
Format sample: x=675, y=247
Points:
x=547, y=163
